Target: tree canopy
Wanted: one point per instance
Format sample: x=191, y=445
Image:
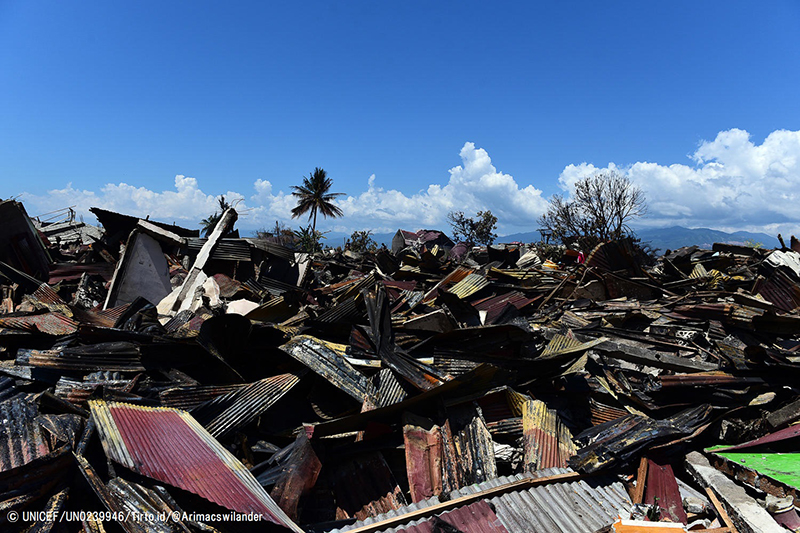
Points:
x=314, y=196
x=600, y=209
x=477, y=230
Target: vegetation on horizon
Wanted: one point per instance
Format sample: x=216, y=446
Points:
x=600, y=210
x=477, y=230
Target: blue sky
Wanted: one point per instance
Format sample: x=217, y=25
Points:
x=413, y=108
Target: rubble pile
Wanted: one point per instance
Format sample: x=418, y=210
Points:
x=154, y=380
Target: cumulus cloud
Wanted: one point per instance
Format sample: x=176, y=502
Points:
x=734, y=184
x=729, y=183
x=472, y=186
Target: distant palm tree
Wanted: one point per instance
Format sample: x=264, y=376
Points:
x=208, y=224
x=313, y=196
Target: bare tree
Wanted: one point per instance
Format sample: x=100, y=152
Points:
x=600, y=210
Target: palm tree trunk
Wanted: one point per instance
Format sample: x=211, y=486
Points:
x=314, y=226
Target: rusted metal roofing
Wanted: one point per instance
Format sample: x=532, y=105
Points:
x=547, y=443
x=327, y=363
x=48, y=323
x=474, y=518
x=455, y=276
x=495, y=305
x=21, y=438
x=226, y=249
x=240, y=407
x=662, y=489
x=191, y=396
x=72, y=271
x=777, y=436
x=781, y=290
x=78, y=392
x=50, y=298
x=423, y=450
x=119, y=356
x=565, y=507
x=170, y=446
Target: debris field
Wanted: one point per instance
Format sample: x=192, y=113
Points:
x=155, y=381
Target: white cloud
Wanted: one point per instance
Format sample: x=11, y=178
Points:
x=734, y=184
x=474, y=185
x=730, y=183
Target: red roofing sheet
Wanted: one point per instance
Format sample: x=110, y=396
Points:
x=170, y=446
x=475, y=518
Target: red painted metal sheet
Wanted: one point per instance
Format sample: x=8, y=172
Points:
x=662, y=489
x=170, y=446
x=783, y=434
x=474, y=518
x=423, y=461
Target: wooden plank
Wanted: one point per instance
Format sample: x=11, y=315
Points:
x=522, y=484
x=720, y=510
x=641, y=476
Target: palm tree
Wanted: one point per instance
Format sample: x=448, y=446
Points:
x=313, y=196
x=208, y=224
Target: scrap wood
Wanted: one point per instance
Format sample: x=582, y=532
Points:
x=641, y=477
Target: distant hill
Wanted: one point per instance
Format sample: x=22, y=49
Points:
x=675, y=237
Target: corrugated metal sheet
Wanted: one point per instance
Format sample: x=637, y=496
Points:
x=7, y=388
x=601, y=413
x=272, y=248
x=21, y=438
x=345, y=311
x=170, y=446
x=469, y=285
x=777, y=436
x=72, y=271
x=475, y=518
x=547, y=443
x=191, y=396
x=563, y=345
x=455, y=276
x=240, y=407
x=324, y=361
x=78, y=392
x=661, y=488
x=467, y=454
x=781, y=290
x=423, y=450
x=494, y=306
x=385, y=389
x=48, y=323
x=112, y=356
x=226, y=249
x=566, y=507
x=50, y=298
